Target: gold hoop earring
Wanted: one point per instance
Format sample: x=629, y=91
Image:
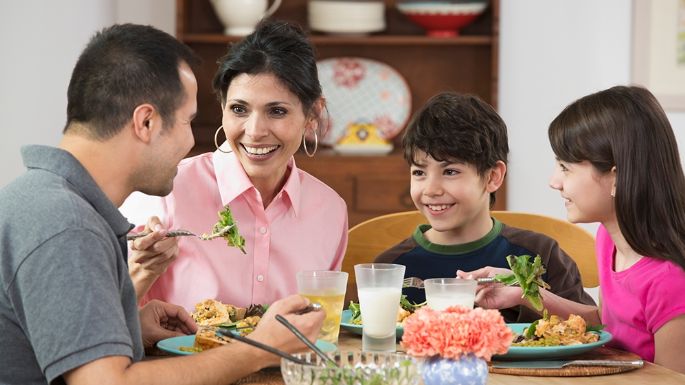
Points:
x=304, y=143
x=216, y=141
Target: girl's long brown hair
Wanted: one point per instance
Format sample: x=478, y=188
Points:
x=626, y=127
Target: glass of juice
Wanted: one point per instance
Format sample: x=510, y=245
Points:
x=327, y=288
x=442, y=293
x=379, y=286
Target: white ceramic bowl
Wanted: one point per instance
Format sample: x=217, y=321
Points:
x=354, y=368
x=346, y=17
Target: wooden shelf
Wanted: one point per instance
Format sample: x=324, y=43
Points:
x=371, y=185
x=395, y=40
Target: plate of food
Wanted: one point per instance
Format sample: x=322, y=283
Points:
x=212, y=315
x=553, y=338
x=185, y=345
x=352, y=322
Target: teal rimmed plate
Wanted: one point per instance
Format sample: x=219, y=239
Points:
x=549, y=352
x=173, y=345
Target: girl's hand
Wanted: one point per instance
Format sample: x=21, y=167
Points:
x=493, y=295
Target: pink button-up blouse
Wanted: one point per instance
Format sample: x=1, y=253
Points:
x=303, y=228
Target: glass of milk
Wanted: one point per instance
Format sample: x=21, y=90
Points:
x=442, y=293
x=379, y=286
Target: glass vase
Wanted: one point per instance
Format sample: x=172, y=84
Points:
x=468, y=370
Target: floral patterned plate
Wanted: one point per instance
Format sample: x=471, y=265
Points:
x=366, y=91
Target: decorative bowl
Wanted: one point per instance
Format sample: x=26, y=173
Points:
x=354, y=368
x=442, y=19
x=346, y=16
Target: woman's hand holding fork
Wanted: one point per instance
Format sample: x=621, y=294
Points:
x=150, y=256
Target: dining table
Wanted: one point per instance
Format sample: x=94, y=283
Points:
x=649, y=374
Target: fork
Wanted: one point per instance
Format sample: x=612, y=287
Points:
x=417, y=282
x=183, y=233
x=414, y=282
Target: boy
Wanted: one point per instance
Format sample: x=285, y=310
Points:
x=456, y=147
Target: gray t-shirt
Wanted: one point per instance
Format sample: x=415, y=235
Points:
x=66, y=297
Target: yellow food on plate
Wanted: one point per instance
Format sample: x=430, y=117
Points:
x=208, y=338
x=553, y=331
x=402, y=315
x=211, y=312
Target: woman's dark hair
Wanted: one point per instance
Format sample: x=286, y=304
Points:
x=455, y=127
x=626, y=128
x=122, y=67
x=277, y=48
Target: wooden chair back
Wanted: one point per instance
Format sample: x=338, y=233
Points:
x=370, y=238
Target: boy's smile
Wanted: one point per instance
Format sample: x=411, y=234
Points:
x=438, y=208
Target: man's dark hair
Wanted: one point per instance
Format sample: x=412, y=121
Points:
x=458, y=128
x=122, y=67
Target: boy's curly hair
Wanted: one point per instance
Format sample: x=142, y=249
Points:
x=456, y=127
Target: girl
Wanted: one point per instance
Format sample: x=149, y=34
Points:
x=618, y=164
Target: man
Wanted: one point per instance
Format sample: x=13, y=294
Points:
x=68, y=310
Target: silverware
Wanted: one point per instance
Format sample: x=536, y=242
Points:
x=311, y=307
x=257, y=344
x=183, y=233
x=417, y=282
x=306, y=340
x=565, y=363
x=169, y=234
x=414, y=282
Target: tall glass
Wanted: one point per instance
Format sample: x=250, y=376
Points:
x=379, y=286
x=326, y=288
x=442, y=293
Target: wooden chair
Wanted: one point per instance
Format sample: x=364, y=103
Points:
x=370, y=238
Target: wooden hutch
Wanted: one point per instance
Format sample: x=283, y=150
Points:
x=371, y=185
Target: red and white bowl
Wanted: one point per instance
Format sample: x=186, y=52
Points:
x=442, y=19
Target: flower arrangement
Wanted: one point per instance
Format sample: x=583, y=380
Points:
x=456, y=332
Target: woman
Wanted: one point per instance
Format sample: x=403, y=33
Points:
x=271, y=100
x=618, y=164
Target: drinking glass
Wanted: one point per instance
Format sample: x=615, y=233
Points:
x=379, y=286
x=442, y=293
x=327, y=288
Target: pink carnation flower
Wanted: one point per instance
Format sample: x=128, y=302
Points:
x=455, y=332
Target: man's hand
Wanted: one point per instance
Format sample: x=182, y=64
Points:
x=273, y=333
x=160, y=320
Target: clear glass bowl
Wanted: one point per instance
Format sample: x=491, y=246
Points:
x=354, y=368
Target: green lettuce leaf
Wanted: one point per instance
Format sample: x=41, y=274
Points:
x=527, y=275
x=233, y=237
